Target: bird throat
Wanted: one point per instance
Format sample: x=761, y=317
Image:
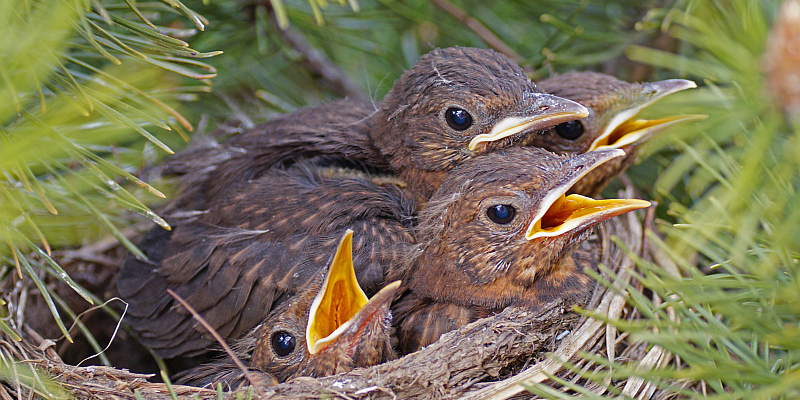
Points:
x=332, y=314
x=339, y=299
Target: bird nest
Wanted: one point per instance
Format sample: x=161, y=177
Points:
x=495, y=357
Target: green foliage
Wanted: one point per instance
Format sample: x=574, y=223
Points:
x=24, y=375
x=279, y=8
x=263, y=74
x=737, y=174
x=80, y=80
x=745, y=220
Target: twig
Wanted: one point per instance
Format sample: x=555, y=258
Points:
x=342, y=395
x=318, y=62
x=219, y=339
x=539, y=372
x=481, y=30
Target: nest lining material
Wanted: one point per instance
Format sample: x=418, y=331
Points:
x=487, y=359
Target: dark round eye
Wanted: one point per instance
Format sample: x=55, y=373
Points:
x=570, y=130
x=283, y=343
x=501, y=213
x=457, y=118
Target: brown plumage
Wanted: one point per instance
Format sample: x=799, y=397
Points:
x=264, y=241
x=328, y=327
x=613, y=105
x=255, y=247
x=419, y=145
x=245, y=234
x=500, y=232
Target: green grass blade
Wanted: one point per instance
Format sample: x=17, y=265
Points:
x=44, y=291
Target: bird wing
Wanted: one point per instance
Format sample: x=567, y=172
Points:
x=224, y=372
x=338, y=129
x=255, y=245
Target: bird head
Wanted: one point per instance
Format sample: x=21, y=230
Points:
x=502, y=224
x=456, y=103
x=328, y=327
x=613, y=106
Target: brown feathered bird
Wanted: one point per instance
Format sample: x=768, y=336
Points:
x=234, y=220
x=258, y=245
x=453, y=104
x=612, y=122
x=424, y=145
x=235, y=205
x=501, y=231
x=264, y=241
x=326, y=328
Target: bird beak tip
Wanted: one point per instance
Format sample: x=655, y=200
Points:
x=661, y=89
x=624, y=130
x=616, y=153
x=559, y=214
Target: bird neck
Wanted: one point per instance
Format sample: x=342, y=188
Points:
x=516, y=286
x=398, y=152
x=422, y=183
x=419, y=321
x=436, y=303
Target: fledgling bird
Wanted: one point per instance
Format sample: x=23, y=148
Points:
x=257, y=246
x=326, y=328
x=350, y=130
x=453, y=104
x=501, y=231
x=613, y=106
x=265, y=239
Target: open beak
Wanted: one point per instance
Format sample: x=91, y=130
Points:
x=623, y=129
x=341, y=310
x=560, y=213
x=375, y=313
x=547, y=110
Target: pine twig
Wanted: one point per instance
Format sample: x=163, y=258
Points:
x=219, y=339
x=481, y=30
x=319, y=63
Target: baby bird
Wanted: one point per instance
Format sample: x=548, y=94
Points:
x=501, y=231
x=613, y=105
x=328, y=327
x=453, y=104
x=263, y=242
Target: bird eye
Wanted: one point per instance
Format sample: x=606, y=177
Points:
x=458, y=119
x=570, y=130
x=501, y=213
x=283, y=343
